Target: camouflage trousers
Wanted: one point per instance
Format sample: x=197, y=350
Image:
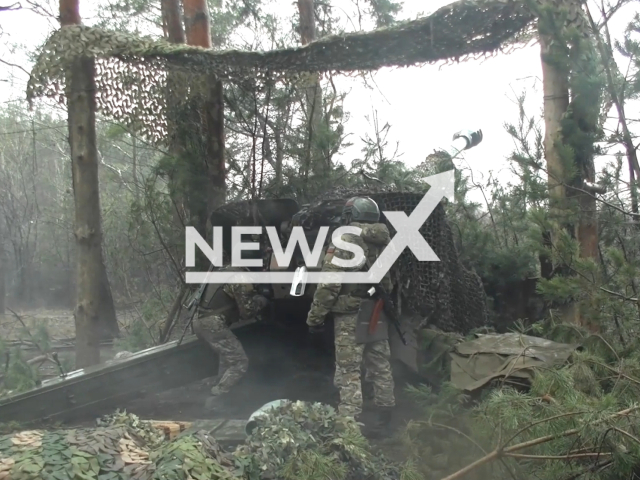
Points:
x=349, y=358
x=233, y=364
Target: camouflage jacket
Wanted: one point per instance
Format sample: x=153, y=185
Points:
x=335, y=297
x=246, y=298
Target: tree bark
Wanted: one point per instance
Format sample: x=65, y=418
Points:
x=176, y=93
x=3, y=272
x=556, y=104
x=172, y=21
x=174, y=33
x=196, y=23
x=198, y=32
x=216, y=168
x=556, y=101
x=69, y=12
x=555, y=83
x=95, y=316
x=307, y=21
x=313, y=90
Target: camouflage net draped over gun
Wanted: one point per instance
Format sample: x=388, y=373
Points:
x=448, y=295
x=133, y=73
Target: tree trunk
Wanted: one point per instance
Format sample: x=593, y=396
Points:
x=95, y=316
x=556, y=104
x=279, y=159
x=633, y=190
x=134, y=166
x=556, y=101
x=313, y=90
x=198, y=32
x=172, y=21
x=555, y=83
x=216, y=168
x=307, y=21
x=69, y=12
x=3, y=272
x=174, y=33
x=196, y=23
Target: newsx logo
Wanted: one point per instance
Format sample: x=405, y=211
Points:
x=407, y=235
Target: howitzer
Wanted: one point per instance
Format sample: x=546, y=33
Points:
x=386, y=304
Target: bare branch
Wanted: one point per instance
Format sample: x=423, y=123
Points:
x=15, y=6
x=13, y=64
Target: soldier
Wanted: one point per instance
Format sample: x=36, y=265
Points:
x=214, y=329
x=344, y=302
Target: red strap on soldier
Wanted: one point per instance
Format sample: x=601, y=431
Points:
x=375, y=316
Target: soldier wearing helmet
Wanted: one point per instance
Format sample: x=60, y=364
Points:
x=344, y=302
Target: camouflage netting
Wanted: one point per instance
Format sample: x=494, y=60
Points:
x=131, y=72
x=444, y=293
x=295, y=440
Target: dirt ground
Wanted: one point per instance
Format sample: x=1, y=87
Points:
x=59, y=323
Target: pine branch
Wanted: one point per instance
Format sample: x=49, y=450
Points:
x=629, y=299
x=557, y=457
x=503, y=451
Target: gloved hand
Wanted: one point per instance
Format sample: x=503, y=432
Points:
x=261, y=301
x=316, y=329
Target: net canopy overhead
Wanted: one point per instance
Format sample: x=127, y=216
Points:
x=131, y=72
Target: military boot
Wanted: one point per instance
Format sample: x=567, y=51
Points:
x=380, y=426
x=215, y=402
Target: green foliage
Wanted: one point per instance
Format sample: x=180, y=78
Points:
x=144, y=331
x=568, y=411
x=311, y=441
x=18, y=376
x=384, y=11
x=16, y=373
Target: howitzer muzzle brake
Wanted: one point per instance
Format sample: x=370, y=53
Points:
x=472, y=138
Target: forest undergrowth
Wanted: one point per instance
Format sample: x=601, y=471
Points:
x=577, y=421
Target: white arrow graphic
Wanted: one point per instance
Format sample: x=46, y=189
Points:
x=407, y=235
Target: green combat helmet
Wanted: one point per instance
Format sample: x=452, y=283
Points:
x=360, y=209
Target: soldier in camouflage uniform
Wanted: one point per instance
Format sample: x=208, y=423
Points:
x=343, y=301
x=214, y=329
